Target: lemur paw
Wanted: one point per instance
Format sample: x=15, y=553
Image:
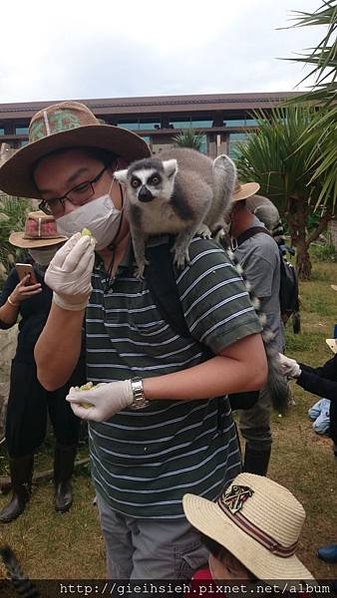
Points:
x=139, y=273
x=139, y=270
x=181, y=257
x=204, y=232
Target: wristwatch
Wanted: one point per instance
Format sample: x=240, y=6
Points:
x=139, y=400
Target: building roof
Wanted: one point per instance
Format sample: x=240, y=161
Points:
x=157, y=104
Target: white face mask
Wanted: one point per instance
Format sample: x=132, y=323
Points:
x=99, y=215
x=45, y=255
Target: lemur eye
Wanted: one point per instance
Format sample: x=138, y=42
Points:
x=155, y=180
x=135, y=183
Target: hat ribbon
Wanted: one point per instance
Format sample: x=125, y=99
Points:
x=39, y=231
x=257, y=534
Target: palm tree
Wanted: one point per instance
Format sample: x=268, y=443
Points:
x=189, y=138
x=276, y=158
x=323, y=59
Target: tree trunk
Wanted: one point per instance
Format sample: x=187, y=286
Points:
x=303, y=262
x=297, y=220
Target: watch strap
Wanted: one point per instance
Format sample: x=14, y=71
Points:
x=139, y=400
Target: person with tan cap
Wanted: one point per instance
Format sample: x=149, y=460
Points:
x=252, y=532
x=258, y=254
x=159, y=415
x=29, y=402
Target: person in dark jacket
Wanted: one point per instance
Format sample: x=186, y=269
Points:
x=29, y=403
x=321, y=381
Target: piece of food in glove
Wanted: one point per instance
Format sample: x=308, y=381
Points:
x=87, y=386
x=88, y=233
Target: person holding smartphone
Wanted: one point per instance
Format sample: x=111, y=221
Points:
x=25, y=294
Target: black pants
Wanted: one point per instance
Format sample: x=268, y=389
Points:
x=28, y=407
x=333, y=420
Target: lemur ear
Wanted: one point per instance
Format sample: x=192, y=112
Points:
x=170, y=167
x=120, y=175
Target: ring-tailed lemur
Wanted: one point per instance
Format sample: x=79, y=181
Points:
x=184, y=193
x=24, y=587
x=276, y=382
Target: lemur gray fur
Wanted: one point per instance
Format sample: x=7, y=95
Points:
x=24, y=587
x=186, y=193
x=183, y=193
x=277, y=383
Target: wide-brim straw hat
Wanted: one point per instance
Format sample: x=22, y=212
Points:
x=61, y=126
x=258, y=521
x=245, y=190
x=40, y=231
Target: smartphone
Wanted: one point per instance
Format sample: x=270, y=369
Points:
x=23, y=270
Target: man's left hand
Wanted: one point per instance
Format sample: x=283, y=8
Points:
x=103, y=400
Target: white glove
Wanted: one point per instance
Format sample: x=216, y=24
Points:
x=105, y=399
x=69, y=272
x=289, y=367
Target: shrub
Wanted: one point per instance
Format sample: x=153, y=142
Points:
x=13, y=211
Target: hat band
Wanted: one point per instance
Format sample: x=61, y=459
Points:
x=39, y=233
x=257, y=534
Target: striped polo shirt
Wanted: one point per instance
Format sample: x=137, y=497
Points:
x=144, y=461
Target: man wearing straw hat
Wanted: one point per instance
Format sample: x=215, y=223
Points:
x=259, y=255
x=155, y=426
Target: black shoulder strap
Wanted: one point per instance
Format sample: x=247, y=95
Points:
x=160, y=278
x=250, y=232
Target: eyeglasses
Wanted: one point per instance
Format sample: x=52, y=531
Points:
x=78, y=196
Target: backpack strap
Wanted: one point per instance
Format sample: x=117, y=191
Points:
x=161, y=280
x=250, y=232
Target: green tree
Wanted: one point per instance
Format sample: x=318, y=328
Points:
x=276, y=158
x=323, y=62
x=189, y=138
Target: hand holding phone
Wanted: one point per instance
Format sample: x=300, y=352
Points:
x=27, y=287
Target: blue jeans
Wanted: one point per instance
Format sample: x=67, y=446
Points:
x=319, y=413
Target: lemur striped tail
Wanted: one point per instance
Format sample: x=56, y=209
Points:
x=24, y=587
x=277, y=383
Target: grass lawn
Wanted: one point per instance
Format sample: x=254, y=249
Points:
x=51, y=545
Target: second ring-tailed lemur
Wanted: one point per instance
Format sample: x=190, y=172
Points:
x=22, y=584
x=186, y=193
x=183, y=193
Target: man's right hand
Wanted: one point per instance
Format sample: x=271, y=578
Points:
x=69, y=273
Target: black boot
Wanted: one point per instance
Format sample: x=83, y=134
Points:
x=21, y=470
x=64, y=459
x=256, y=461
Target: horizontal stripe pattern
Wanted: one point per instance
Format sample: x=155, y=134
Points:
x=144, y=461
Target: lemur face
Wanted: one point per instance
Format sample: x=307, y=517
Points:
x=149, y=179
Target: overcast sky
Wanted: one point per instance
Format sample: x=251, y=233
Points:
x=114, y=48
